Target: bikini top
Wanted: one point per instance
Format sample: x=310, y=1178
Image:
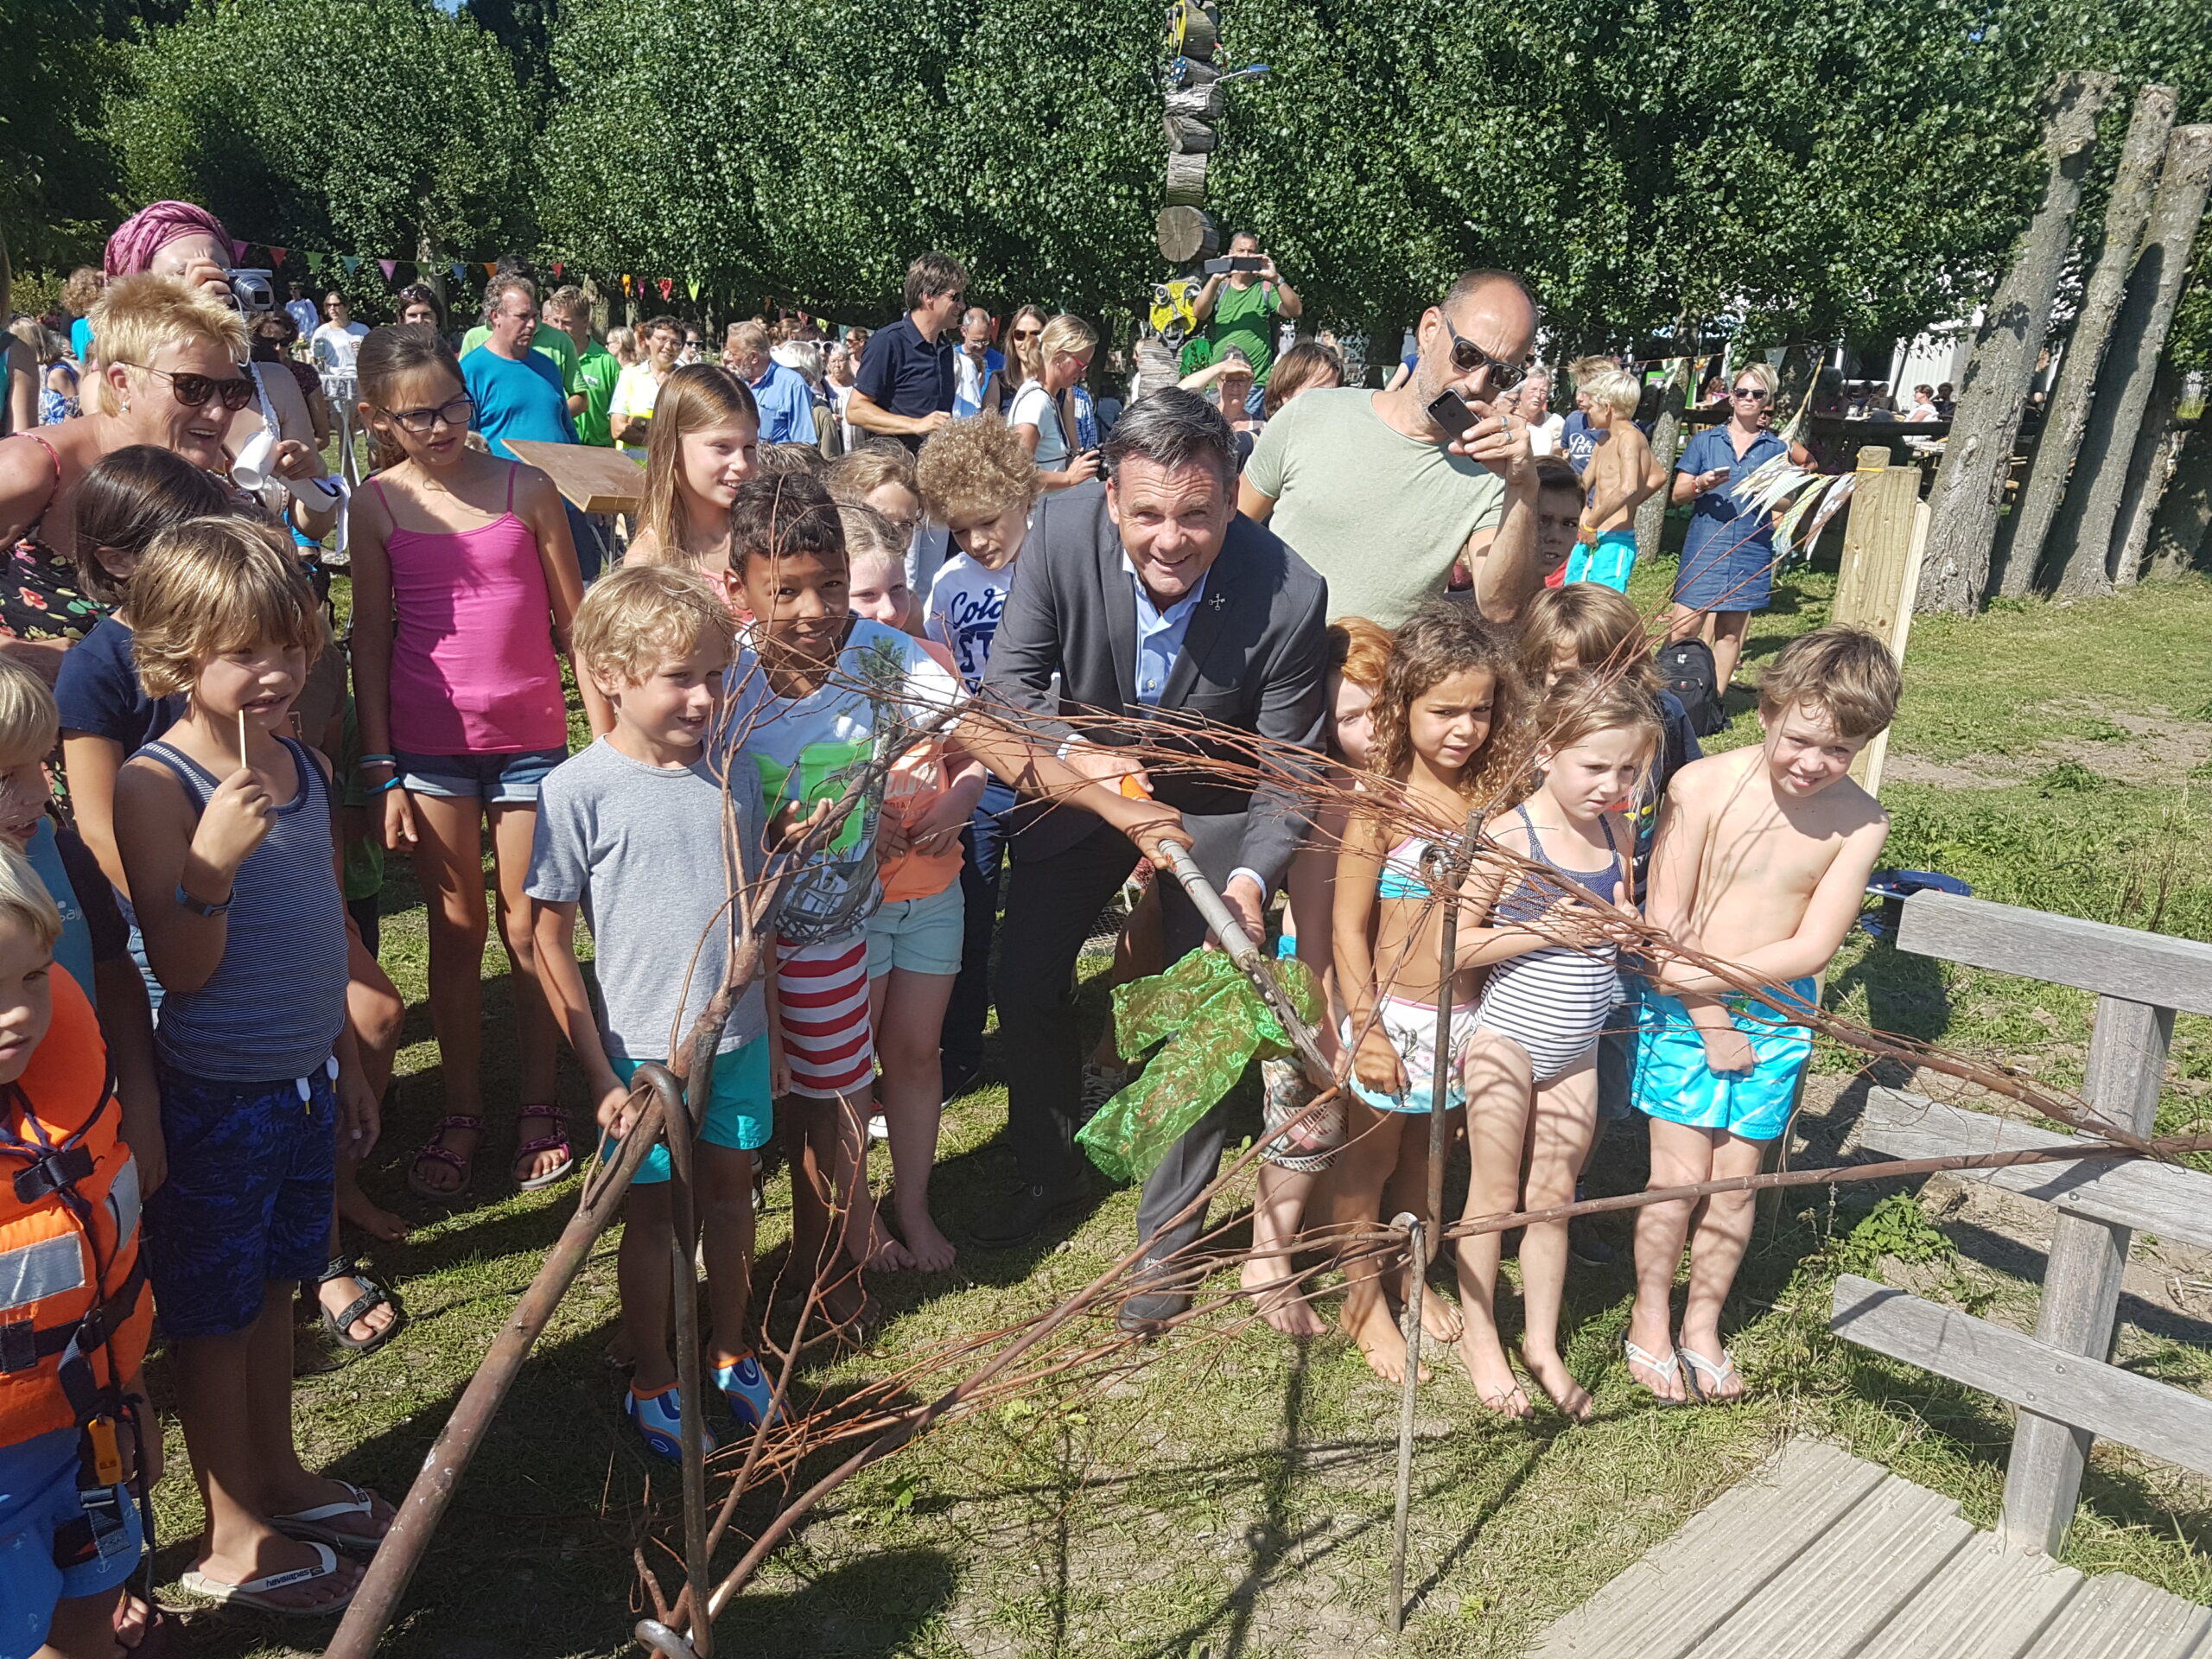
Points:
x=1403, y=870
x=1530, y=899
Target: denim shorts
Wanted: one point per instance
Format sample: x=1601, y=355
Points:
x=740, y=1114
x=247, y=1200
x=46, y=1553
x=922, y=936
x=507, y=780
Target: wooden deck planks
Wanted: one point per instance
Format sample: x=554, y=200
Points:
x=1989, y=1602
x=2115, y=1617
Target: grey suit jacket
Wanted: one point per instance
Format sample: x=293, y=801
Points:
x=1255, y=660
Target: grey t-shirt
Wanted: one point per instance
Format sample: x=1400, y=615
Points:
x=1380, y=515
x=642, y=847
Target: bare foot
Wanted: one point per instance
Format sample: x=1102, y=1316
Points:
x=1279, y=1304
x=927, y=1250
x=1440, y=1315
x=1495, y=1385
x=1552, y=1376
x=1380, y=1343
x=876, y=1251
x=357, y=1209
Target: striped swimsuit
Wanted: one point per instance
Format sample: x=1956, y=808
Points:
x=1553, y=1002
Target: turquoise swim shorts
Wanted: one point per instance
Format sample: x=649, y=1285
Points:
x=1673, y=1083
x=740, y=1114
x=1608, y=563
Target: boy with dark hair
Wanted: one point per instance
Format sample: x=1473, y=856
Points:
x=1761, y=863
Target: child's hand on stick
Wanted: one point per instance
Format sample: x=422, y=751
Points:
x=1376, y=1063
x=1727, y=1049
x=614, y=1111
x=237, y=819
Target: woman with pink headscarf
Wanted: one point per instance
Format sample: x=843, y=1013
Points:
x=178, y=383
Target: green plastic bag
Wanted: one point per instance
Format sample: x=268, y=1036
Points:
x=1214, y=1024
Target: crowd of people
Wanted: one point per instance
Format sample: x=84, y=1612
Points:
x=1068, y=623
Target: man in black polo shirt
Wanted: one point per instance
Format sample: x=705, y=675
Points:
x=905, y=385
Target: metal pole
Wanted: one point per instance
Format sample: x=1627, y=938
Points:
x=1414, y=1239
x=1447, y=870
x=689, y=1381
x=395, y=1559
x=1242, y=952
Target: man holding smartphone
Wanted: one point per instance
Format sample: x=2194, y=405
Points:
x=1238, y=307
x=1382, y=492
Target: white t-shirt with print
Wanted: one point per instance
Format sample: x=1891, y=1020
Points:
x=809, y=749
x=966, y=603
x=1034, y=406
x=334, y=349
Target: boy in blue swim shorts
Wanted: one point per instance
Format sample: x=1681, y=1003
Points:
x=633, y=831
x=1760, y=863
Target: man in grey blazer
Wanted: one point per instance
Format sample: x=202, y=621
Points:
x=1161, y=612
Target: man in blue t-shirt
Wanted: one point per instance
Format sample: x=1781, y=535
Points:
x=904, y=386
x=519, y=393
x=780, y=393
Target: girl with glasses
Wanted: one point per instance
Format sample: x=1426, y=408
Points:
x=1727, y=569
x=464, y=574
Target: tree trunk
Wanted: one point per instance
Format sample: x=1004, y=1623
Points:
x=1800, y=368
x=2084, y=531
x=1187, y=180
x=2124, y=218
x=2184, y=514
x=2157, y=448
x=1970, y=484
x=1665, y=445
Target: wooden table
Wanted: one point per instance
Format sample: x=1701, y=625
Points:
x=594, y=478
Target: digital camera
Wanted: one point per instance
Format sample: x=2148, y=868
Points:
x=254, y=291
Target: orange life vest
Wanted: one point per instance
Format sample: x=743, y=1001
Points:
x=74, y=1314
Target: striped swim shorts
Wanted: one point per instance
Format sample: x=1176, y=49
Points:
x=823, y=991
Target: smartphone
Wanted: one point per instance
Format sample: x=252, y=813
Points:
x=1451, y=412
x=1246, y=262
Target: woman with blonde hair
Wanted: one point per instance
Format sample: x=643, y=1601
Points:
x=705, y=442
x=1043, y=413
x=169, y=375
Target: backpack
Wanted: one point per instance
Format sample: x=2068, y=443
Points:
x=1686, y=668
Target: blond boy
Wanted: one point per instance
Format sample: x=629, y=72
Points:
x=1621, y=473
x=625, y=830
x=1761, y=863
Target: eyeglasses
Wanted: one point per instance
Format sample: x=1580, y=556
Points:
x=1470, y=358
x=194, y=390
x=1755, y=394
x=1029, y=334
x=456, y=411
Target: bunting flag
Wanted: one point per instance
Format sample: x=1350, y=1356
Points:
x=237, y=251
x=351, y=261
x=491, y=269
x=276, y=253
x=556, y=270
x=667, y=287
x=459, y=272
x=314, y=264
x=692, y=286
x=390, y=265
x=625, y=282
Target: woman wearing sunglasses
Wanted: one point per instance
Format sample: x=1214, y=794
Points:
x=170, y=375
x=1727, y=569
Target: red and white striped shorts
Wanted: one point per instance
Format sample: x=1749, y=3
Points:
x=822, y=993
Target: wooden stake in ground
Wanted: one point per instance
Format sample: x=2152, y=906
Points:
x=2128, y=212
x=1970, y=484
x=1416, y=1253
x=2116, y=421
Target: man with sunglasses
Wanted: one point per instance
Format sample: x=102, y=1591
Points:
x=1375, y=491
x=1727, y=569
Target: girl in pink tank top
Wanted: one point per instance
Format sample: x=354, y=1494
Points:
x=465, y=580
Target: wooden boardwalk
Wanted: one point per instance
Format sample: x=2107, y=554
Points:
x=1820, y=1555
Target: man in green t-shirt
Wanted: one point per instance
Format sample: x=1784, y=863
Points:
x=1238, y=307
x=597, y=368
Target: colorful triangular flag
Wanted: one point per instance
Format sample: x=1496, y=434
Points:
x=692, y=286
x=460, y=271
x=491, y=269
x=625, y=282
x=556, y=270
x=314, y=264
x=389, y=266
x=276, y=253
x=667, y=287
x=237, y=251
x=351, y=261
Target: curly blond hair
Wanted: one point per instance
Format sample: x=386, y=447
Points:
x=975, y=469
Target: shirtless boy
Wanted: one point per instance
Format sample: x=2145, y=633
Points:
x=1761, y=863
x=1621, y=473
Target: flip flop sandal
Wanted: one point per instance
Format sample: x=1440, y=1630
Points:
x=436, y=1151
x=339, y=1326
x=556, y=1141
x=256, y=1594
x=313, y=1525
x=1670, y=1368
x=1701, y=1367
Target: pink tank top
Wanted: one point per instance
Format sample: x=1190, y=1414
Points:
x=472, y=670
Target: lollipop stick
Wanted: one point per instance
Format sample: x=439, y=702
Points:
x=242, y=760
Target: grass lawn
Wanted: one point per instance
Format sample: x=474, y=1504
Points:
x=1234, y=1497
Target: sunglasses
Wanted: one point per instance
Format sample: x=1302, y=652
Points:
x=1470, y=358
x=194, y=390
x=456, y=411
x=1029, y=334
x=1753, y=393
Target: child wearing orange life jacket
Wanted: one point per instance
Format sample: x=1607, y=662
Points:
x=69, y=1404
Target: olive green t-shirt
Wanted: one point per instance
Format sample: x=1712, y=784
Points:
x=1380, y=515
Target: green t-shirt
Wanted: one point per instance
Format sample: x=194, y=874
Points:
x=1243, y=317
x=554, y=342
x=1380, y=515
x=597, y=371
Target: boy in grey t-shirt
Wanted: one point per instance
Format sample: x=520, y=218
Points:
x=636, y=833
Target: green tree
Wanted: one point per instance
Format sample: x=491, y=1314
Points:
x=385, y=127
x=55, y=170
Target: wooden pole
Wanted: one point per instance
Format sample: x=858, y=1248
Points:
x=1415, y=1254
x=1883, y=545
x=2081, y=1283
x=2128, y=212
x=2085, y=527
x=1970, y=484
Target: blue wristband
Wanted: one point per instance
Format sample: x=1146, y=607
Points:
x=199, y=906
x=389, y=783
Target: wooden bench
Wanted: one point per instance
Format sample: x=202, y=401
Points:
x=2067, y=1392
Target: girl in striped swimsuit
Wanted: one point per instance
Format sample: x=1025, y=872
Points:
x=1531, y=1064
